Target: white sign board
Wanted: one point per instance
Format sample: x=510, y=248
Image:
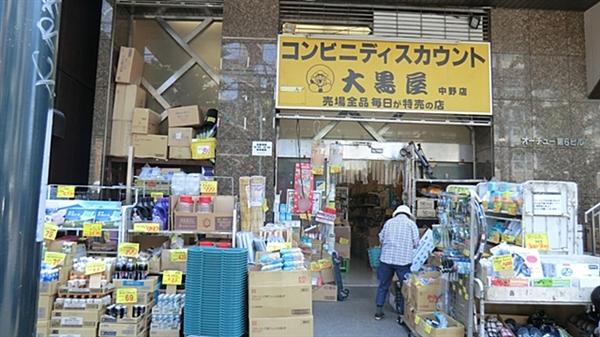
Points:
x=262, y=149
x=548, y=204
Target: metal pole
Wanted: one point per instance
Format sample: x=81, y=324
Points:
x=28, y=40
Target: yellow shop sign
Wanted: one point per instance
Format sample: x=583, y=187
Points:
x=323, y=73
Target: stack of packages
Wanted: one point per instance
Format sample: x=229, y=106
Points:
x=323, y=281
x=287, y=259
x=166, y=315
x=183, y=125
x=421, y=294
x=252, y=203
x=280, y=304
x=81, y=302
x=129, y=313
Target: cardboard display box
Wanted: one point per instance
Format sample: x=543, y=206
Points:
x=424, y=297
x=120, y=138
x=280, y=294
x=143, y=286
x=189, y=115
x=167, y=264
x=181, y=137
x=297, y=326
x=150, y=146
x=223, y=206
x=326, y=292
x=454, y=329
x=426, y=203
x=130, y=66
x=127, y=98
x=145, y=121
x=121, y=329
x=220, y=220
x=45, y=305
x=180, y=152
x=81, y=332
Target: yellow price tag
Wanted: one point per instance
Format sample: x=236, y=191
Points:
x=54, y=259
x=129, y=249
x=502, y=263
x=179, y=255
x=65, y=192
x=92, y=230
x=172, y=277
x=156, y=195
x=146, y=227
x=95, y=267
x=537, y=241
x=344, y=241
x=276, y=246
x=428, y=328
x=127, y=296
x=50, y=231
x=209, y=187
x=417, y=320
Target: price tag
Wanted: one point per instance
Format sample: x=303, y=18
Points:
x=208, y=187
x=146, y=227
x=428, y=328
x=502, y=263
x=65, y=192
x=179, y=255
x=95, y=267
x=537, y=241
x=54, y=259
x=417, y=320
x=276, y=246
x=92, y=230
x=127, y=296
x=50, y=231
x=172, y=277
x=156, y=195
x=344, y=241
x=129, y=249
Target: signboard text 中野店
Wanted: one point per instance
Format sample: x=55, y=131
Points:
x=383, y=75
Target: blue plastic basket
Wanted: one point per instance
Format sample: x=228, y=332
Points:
x=374, y=255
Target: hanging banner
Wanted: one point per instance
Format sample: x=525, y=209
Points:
x=324, y=73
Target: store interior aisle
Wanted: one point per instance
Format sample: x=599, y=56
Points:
x=360, y=274
x=354, y=317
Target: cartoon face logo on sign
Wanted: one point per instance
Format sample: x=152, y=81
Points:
x=320, y=78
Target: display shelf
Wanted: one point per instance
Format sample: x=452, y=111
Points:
x=503, y=216
x=164, y=162
x=449, y=181
x=97, y=252
x=80, y=229
x=427, y=218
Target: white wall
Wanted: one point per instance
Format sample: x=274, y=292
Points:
x=592, y=45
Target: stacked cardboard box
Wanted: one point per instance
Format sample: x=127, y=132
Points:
x=128, y=96
x=280, y=304
x=323, y=282
x=46, y=297
x=75, y=318
x=426, y=208
x=343, y=237
x=182, y=121
x=220, y=220
x=420, y=297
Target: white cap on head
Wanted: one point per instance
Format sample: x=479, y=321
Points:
x=403, y=209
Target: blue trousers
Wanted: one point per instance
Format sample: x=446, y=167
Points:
x=385, y=274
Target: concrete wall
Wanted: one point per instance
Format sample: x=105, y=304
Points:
x=592, y=46
x=539, y=81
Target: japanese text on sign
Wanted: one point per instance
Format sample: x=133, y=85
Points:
x=560, y=141
x=50, y=231
x=347, y=74
x=179, y=255
x=127, y=296
x=209, y=187
x=547, y=204
x=65, y=192
x=146, y=227
x=92, y=230
x=537, y=241
x=502, y=263
x=128, y=249
x=172, y=277
x=54, y=259
x=95, y=267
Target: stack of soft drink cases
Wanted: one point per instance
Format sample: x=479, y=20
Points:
x=166, y=315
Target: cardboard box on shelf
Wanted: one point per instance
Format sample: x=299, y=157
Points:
x=454, y=329
x=297, y=326
x=143, y=286
x=121, y=329
x=189, y=115
x=168, y=264
x=180, y=152
x=127, y=98
x=80, y=332
x=48, y=288
x=425, y=297
x=181, y=136
x=130, y=66
x=45, y=305
x=164, y=333
x=223, y=206
x=326, y=292
x=145, y=121
x=280, y=294
x=120, y=138
x=425, y=203
x=426, y=213
x=150, y=146
x=327, y=275
x=203, y=148
x=75, y=318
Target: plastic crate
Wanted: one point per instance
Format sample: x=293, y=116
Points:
x=345, y=265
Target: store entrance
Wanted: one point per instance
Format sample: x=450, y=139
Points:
x=366, y=195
